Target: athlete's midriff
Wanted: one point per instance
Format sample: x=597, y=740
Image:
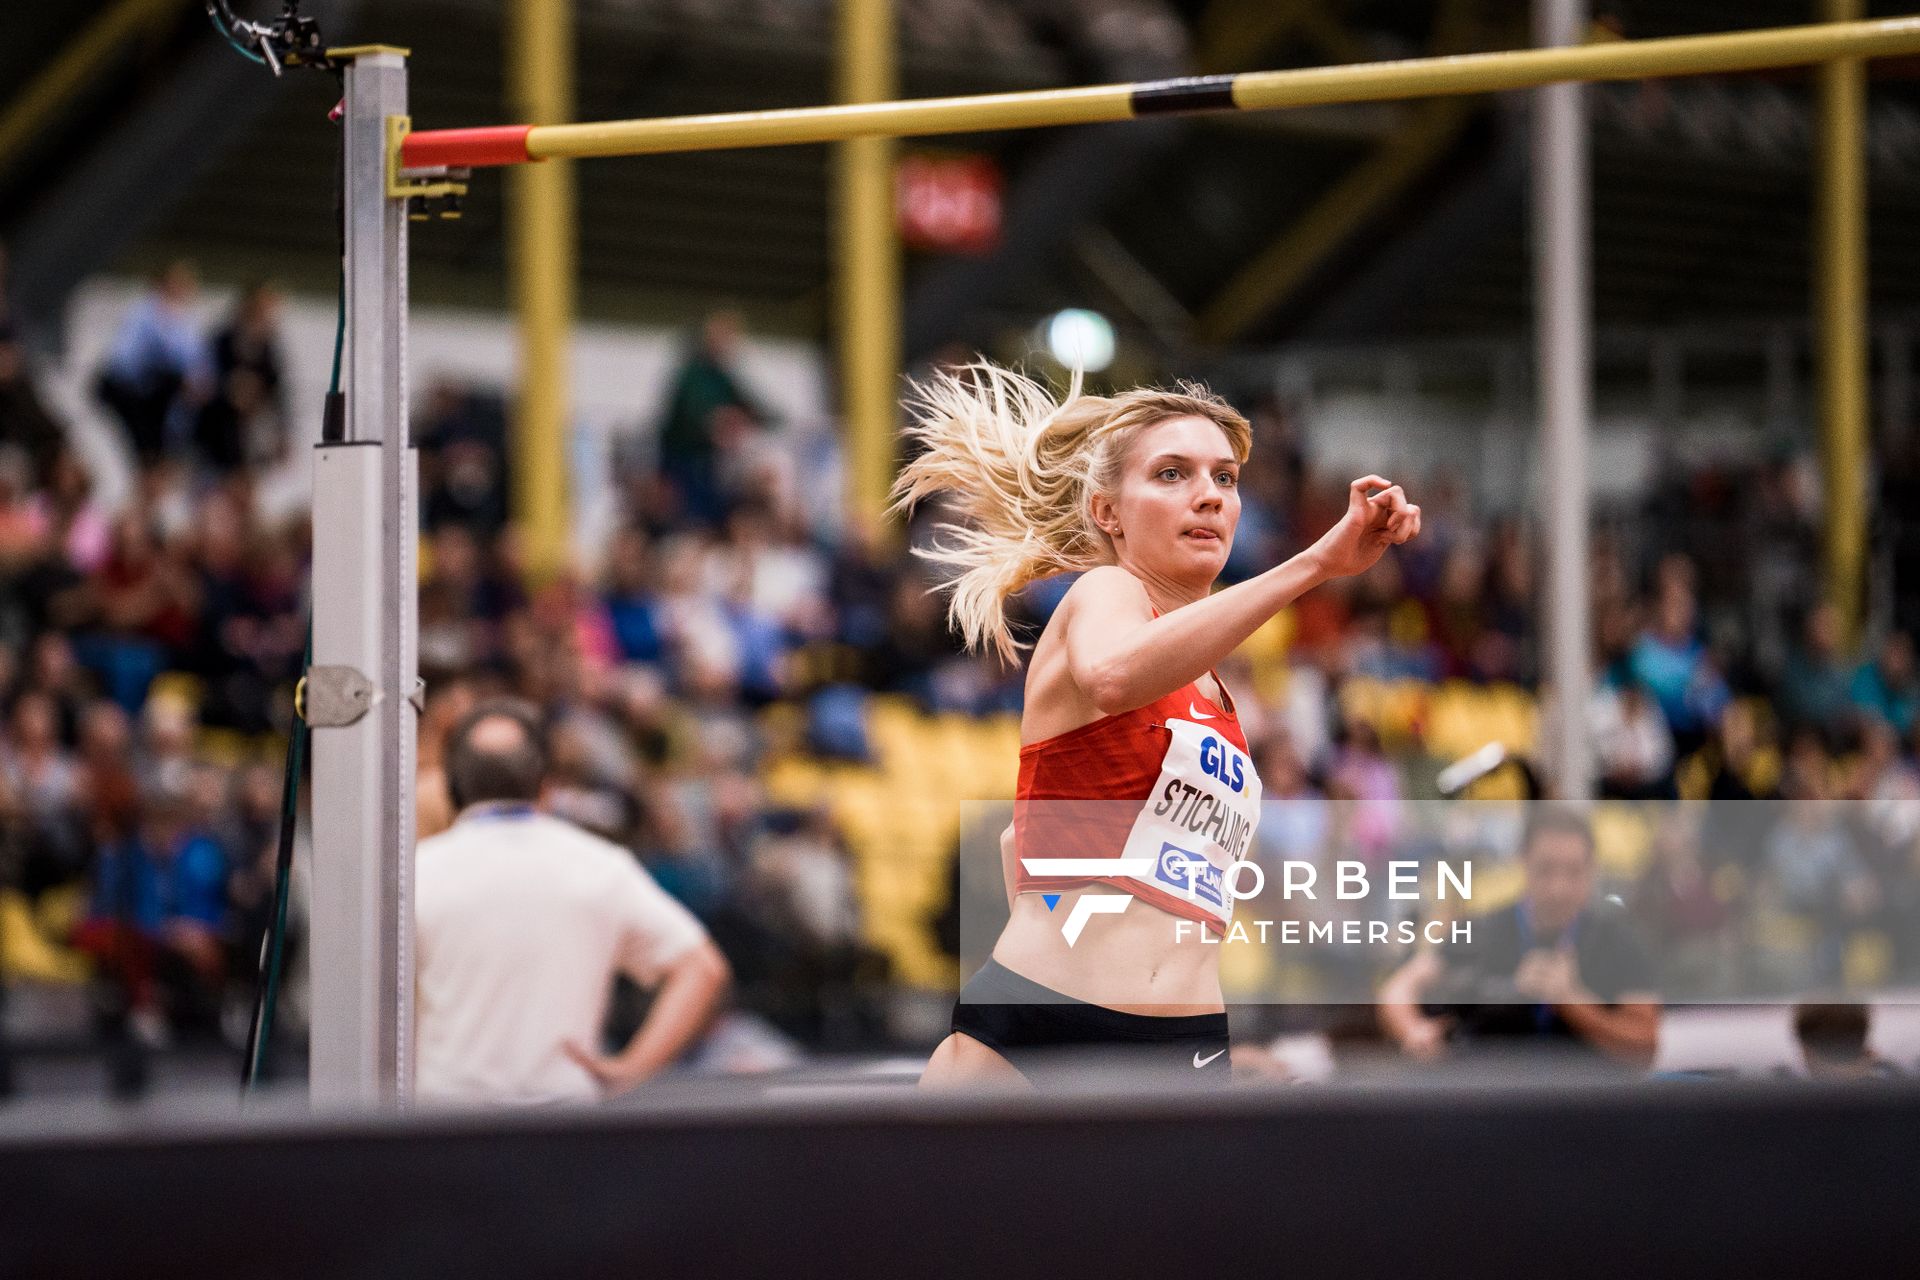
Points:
x=1141, y=961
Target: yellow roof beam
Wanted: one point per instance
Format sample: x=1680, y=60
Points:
x=1311, y=239
x=85, y=56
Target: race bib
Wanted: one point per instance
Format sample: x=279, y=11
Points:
x=1198, y=819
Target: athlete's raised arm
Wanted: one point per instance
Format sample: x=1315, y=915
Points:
x=1122, y=657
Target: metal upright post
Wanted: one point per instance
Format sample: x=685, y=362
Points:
x=359, y=693
x=1840, y=309
x=868, y=258
x=544, y=235
x=1562, y=303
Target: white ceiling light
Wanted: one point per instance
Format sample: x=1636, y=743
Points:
x=1080, y=339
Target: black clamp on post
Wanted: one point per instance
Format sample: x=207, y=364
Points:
x=291, y=40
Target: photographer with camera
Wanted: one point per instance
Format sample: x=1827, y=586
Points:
x=1557, y=968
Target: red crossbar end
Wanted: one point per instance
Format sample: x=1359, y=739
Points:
x=466, y=148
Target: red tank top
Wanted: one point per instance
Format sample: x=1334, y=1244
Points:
x=1167, y=786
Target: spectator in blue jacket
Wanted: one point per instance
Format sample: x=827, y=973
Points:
x=1886, y=684
x=158, y=918
x=156, y=374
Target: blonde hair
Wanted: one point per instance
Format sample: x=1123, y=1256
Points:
x=1019, y=467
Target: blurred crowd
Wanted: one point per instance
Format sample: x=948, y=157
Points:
x=147, y=655
x=1721, y=676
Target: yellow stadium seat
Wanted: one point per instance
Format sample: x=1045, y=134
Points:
x=1270, y=676
x=1450, y=731
x=1496, y=886
x=892, y=732
x=1763, y=774
x=796, y=781
x=1505, y=783
x=1403, y=706
x=1244, y=966
x=949, y=746
x=177, y=686
x=27, y=953
x=1361, y=697
x=784, y=726
x=1869, y=959
x=1463, y=717
x=1692, y=779
x=1622, y=839
x=1776, y=930
x=227, y=748
x=61, y=910
x=1271, y=642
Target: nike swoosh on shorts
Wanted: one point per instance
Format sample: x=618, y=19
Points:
x=1199, y=1061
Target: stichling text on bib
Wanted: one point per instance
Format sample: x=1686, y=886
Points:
x=1198, y=820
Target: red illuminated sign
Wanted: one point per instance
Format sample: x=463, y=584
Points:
x=948, y=203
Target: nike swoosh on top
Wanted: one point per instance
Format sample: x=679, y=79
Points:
x=1199, y=1061
x=1193, y=710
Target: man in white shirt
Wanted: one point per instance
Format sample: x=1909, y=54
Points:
x=523, y=922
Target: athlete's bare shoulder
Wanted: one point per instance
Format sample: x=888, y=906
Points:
x=1102, y=591
x=1096, y=586
x=1104, y=587
x=1054, y=700
x=1107, y=601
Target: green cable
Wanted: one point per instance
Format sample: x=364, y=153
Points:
x=339, y=334
x=273, y=946
x=221, y=27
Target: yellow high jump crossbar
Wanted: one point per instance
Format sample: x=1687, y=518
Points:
x=1249, y=91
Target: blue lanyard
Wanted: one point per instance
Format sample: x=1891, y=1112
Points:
x=497, y=812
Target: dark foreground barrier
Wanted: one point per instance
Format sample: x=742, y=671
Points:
x=1669, y=1180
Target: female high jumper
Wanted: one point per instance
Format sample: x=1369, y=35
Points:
x=1132, y=751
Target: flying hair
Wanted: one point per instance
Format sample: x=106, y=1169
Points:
x=1018, y=467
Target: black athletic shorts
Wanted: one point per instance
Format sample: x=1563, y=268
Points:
x=1048, y=1036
